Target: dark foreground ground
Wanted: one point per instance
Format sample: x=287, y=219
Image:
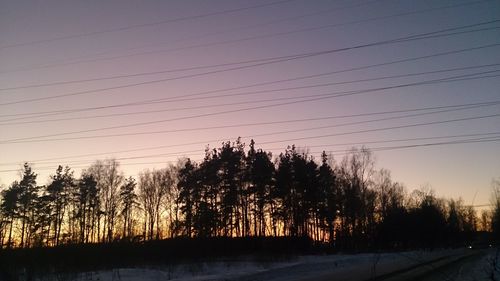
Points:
x=458, y=264
x=241, y=260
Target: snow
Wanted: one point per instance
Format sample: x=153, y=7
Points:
x=304, y=268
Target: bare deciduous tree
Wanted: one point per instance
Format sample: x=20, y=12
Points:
x=154, y=186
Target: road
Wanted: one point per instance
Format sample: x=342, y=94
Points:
x=461, y=265
x=443, y=265
x=472, y=266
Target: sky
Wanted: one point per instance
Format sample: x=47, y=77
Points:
x=148, y=82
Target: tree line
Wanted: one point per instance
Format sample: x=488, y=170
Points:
x=235, y=191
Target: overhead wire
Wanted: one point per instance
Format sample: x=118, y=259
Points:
x=356, y=5
x=86, y=166
x=66, y=62
x=488, y=135
x=453, y=108
x=68, y=82
x=477, y=140
x=347, y=93
x=100, y=154
x=343, y=133
x=389, y=128
x=330, y=152
x=435, y=144
x=10, y=121
x=491, y=134
x=175, y=70
x=297, y=78
x=245, y=39
x=420, y=36
x=218, y=43
x=375, y=149
x=129, y=27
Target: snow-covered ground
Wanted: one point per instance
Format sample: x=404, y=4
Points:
x=339, y=267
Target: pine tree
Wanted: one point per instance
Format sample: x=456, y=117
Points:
x=10, y=208
x=328, y=201
x=189, y=195
x=87, y=206
x=60, y=194
x=28, y=193
x=128, y=200
x=260, y=171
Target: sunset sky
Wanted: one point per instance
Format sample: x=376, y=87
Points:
x=148, y=82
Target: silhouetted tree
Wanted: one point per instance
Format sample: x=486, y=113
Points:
x=154, y=186
x=283, y=194
x=189, y=195
x=485, y=221
x=42, y=219
x=454, y=221
x=207, y=216
x=428, y=222
x=87, y=207
x=129, y=201
x=59, y=193
x=3, y=221
x=296, y=192
x=10, y=208
x=358, y=199
x=233, y=193
x=170, y=203
x=305, y=187
x=383, y=185
x=109, y=179
x=495, y=201
x=28, y=192
x=461, y=222
x=329, y=196
x=260, y=173
x=231, y=175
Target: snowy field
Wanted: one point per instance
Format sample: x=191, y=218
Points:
x=462, y=264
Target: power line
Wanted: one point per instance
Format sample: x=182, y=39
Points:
x=435, y=144
x=183, y=153
x=359, y=122
x=420, y=36
x=137, y=149
x=268, y=149
x=85, y=166
x=427, y=82
x=443, y=109
x=271, y=60
x=244, y=39
x=450, y=79
x=72, y=62
x=279, y=59
x=389, y=128
x=204, y=45
x=396, y=140
x=142, y=74
x=177, y=153
x=383, y=148
x=375, y=149
x=9, y=121
x=56, y=112
x=301, y=138
x=129, y=27
x=479, y=205
x=313, y=14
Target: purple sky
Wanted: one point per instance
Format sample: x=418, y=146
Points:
x=59, y=42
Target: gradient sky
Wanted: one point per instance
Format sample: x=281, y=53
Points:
x=48, y=42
